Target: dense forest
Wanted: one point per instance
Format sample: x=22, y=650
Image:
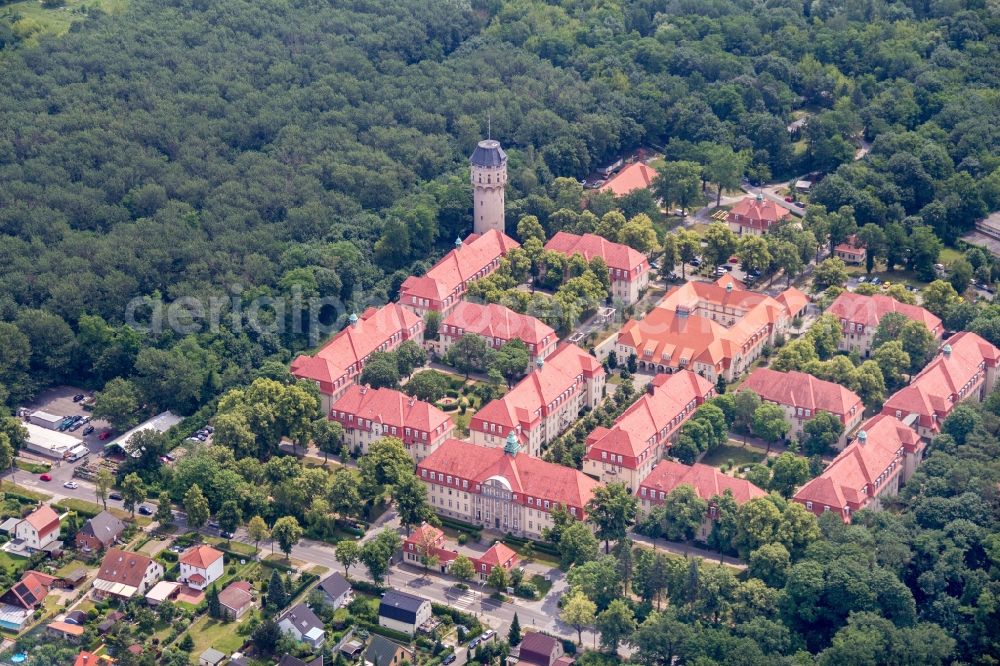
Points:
x=237, y=149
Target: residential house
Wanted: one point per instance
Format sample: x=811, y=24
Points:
x=964, y=369
x=201, y=566
x=124, y=574
x=403, y=612
x=39, y=530
x=628, y=450
x=543, y=404
x=755, y=215
x=236, y=599
x=538, y=649
x=498, y=325
x=90, y=659
x=72, y=633
x=338, y=363
x=336, y=589
x=383, y=652
x=851, y=251
x=18, y=604
x=497, y=555
x=427, y=540
x=444, y=285
x=502, y=489
x=707, y=482
x=860, y=315
x=99, y=532
x=636, y=176
x=368, y=415
x=628, y=268
x=871, y=468
x=802, y=396
x=303, y=625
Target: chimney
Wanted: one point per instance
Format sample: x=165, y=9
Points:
x=650, y=389
x=353, y=319
x=729, y=287
x=862, y=437
x=539, y=363
x=946, y=350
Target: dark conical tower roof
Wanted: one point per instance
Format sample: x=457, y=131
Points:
x=488, y=154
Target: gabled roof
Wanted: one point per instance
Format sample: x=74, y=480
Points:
x=302, y=618
x=381, y=651
x=757, y=212
x=390, y=407
x=541, y=387
x=497, y=555
x=200, y=557
x=119, y=566
x=236, y=595
x=30, y=590
x=635, y=176
x=466, y=262
x=537, y=648
x=43, y=520
x=525, y=475
x=289, y=660
x=104, y=527
x=869, y=310
x=496, y=321
x=800, y=389
x=400, y=605
x=615, y=255
x=707, y=481
x=335, y=585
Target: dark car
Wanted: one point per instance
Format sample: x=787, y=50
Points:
x=78, y=397
x=145, y=510
x=226, y=535
x=89, y=429
x=115, y=495
x=474, y=642
x=450, y=659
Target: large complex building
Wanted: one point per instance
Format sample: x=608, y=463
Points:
x=502, y=489
x=426, y=540
x=489, y=178
x=713, y=328
x=368, y=415
x=628, y=268
x=543, y=404
x=338, y=364
x=859, y=316
x=964, y=369
x=755, y=215
x=444, y=285
x=498, y=325
x=707, y=482
x=871, y=468
x=802, y=396
x=628, y=450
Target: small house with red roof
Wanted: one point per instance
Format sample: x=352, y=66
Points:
x=871, y=468
x=707, y=482
x=851, y=251
x=18, y=604
x=628, y=268
x=498, y=325
x=636, y=176
x=39, y=530
x=628, y=450
x=368, y=415
x=90, y=659
x=755, y=215
x=502, y=489
x=543, y=404
x=444, y=285
x=860, y=315
x=124, y=574
x=338, y=363
x=427, y=540
x=200, y=566
x=964, y=369
x=498, y=555
x=236, y=599
x=803, y=396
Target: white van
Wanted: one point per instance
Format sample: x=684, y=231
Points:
x=77, y=452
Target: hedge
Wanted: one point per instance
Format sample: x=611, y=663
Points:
x=457, y=616
x=366, y=587
x=304, y=581
x=539, y=546
x=276, y=564
x=376, y=628
x=472, y=530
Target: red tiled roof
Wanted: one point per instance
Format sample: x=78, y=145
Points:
x=844, y=482
x=119, y=566
x=43, y=519
x=636, y=176
x=375, y=329
x=497, y=321
x=526, y=476
x=757, y=213
x=615, y=255
x=471, y=260
x=425, y=533
x=30, y=590
x=799, y=389
x=651, y=415
x=201, y=557
x=869, y=310
x=946, y=380
x=236, y=595
x=541, y=387
x=707, y=482
x=389, y=407
x=66, y=628
x=497, y=555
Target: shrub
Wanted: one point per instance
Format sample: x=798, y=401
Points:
x=463, y=539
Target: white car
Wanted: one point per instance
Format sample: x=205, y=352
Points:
x=72, y=485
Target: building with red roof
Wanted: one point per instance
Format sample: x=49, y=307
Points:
x=543, y=404
x=860, y=315
x=200, y=566
x=636, y=176
x=628, y=450
x=803, y=396
x=123, y=575
x=964, y=369
x=444, y=285
x=427, y=540
x=498, y=325
x=713, y=328
x=755, y=215
x=38, y=530
x=500, y=488
x=627, y=267
x=851, y=251
x=707, y=482
x=368, y=415
x=871, y=468
x=339, y=362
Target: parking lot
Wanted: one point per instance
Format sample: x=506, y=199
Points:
x=59, y=401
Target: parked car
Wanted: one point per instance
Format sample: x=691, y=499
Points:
x=89, y=429
x=104, y=435
x=72, y=485
x=145, y=510
x=450, y=659
x=789, y=199
x=209, y=429
x=227, y=535
x=46, y=477
x=798, y=204
x=474, y=642
x=169, y=456
x=487, y=635
x=861, y=280
x=115, y=495
x=78, y=397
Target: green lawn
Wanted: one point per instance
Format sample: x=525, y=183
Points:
x=234, y=546
x=32, y=467
x=543, y=586
x=7, y=486
x=738, y=454
x=222, y=636
x=30, y=19
x=12, y=563
x=73, y=565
